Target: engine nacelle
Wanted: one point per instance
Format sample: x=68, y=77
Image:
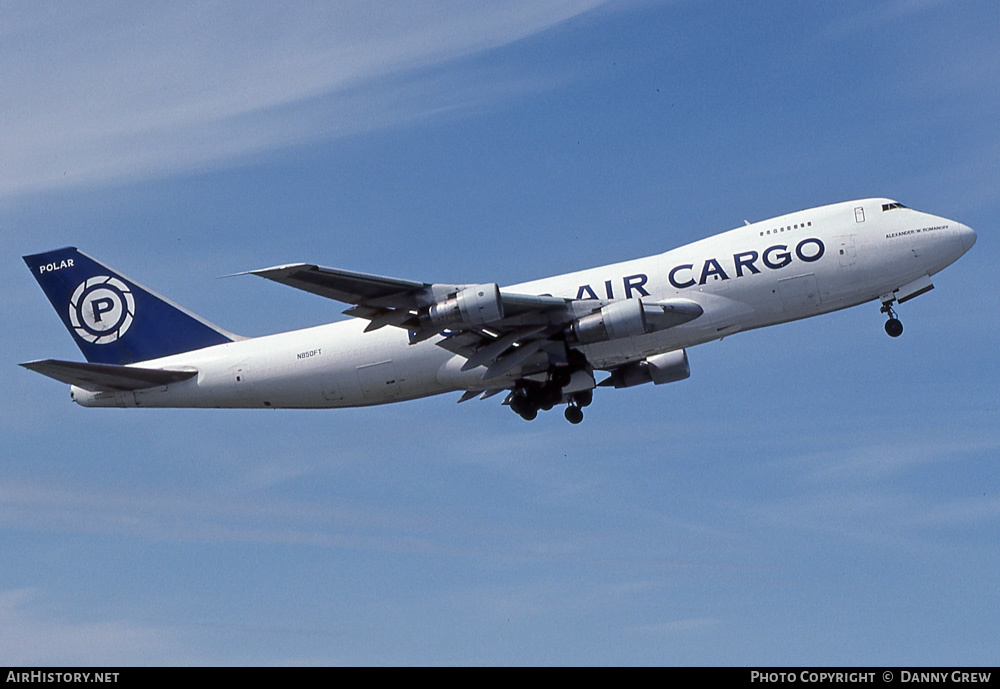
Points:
x=631, y=318
x=625, y=318
x=669, y=367
x=476, y=305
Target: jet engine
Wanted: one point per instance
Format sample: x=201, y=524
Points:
x=475, y=305
x=668, y=367
x=630, y=318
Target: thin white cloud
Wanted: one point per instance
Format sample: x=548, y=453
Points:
x=871, y=491
x=966, y=512
x=100, y=92
x=679, y=627
x=253, y=518
x=875, y=456
x=877, y=17
x=31, y=635
x=206, y=518
x=885, y=518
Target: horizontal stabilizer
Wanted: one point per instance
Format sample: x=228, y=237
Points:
x=105, y=377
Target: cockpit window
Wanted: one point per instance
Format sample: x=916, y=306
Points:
x=892, y=206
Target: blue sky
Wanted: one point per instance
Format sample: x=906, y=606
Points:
x=815, y=493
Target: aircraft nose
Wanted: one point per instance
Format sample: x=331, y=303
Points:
x=967, y=235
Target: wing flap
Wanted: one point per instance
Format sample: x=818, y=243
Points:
x=508, y=363
x=490, y=352
x=107, y=377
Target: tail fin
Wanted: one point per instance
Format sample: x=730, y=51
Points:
x=113, y=319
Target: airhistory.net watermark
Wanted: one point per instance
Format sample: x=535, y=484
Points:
x=62, y=677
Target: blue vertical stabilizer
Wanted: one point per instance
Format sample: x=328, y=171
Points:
x=113, y=319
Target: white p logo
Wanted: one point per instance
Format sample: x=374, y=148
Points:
x=101, y=309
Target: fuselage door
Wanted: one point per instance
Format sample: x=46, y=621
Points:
x=845, y=250
x=799, y=295
x=378, y=381
x=330, y=388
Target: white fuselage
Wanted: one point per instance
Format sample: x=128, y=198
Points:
x=786, y=268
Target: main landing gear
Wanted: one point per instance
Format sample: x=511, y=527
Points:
x=528, y=399
x=577, y=401
x=893, y=328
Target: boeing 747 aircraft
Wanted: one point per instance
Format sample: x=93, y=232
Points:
x=542, y=343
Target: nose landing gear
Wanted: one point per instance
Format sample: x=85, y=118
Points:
x=893, y=328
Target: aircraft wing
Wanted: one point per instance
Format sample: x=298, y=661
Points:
x=348, y=286
x=107, y=377
x=490, y=327
x=382, y=293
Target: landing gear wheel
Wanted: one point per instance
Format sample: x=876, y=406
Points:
x=550, y=397
x=574, y=415
x=893, y=328
x=523, y=407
